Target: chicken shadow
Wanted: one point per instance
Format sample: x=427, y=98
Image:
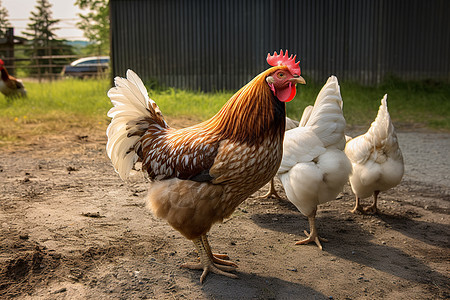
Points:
x=431, y=233
x=349, y=241
x=251, y=286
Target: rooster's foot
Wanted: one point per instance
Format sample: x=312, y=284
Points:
x=215, y=268
x=209, y=262
x=223, y=259
x=221, y=256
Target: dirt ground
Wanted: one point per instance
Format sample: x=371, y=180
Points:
x=71, y=229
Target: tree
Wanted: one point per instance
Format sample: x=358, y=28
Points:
x=4, y=21
x=95, y=25
x=44, y=42
x=41, y=29
x=7, y=43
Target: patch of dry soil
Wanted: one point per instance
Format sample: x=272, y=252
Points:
x=71, y=229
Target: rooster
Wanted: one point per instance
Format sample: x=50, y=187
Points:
x=200, y=174
x=315, y=168
x=376, y=159
x=10, y=86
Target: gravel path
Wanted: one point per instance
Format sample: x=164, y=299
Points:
x=427, y=157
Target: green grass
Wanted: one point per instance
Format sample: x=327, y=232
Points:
x=72, y=104
x=53, y=107
x=423, y=104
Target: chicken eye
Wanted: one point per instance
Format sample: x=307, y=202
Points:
x=281, y=75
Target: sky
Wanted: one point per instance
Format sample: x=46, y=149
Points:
x=64, y=10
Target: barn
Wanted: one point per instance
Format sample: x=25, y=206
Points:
x=219, y=45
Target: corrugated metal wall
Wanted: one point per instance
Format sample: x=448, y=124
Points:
x=213, y=45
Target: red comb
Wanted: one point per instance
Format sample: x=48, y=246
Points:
x=284, y=60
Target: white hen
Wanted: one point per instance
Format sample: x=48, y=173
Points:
x=376, y=159
x=314, y=168
x=290, y=124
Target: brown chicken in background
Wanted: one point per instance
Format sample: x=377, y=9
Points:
x=10, y=86
x=200, y=174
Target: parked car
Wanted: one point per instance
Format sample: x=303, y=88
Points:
x=86, y=67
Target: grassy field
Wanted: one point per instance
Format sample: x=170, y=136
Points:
x=63, y=105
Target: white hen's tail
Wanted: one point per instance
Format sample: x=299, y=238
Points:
x=326, y=118
x=132, y=114
x=382, y=128
x=305, y=116
x=382, y=132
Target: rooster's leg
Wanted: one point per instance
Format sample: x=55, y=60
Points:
x=272, y=193
x=373, y=208
x=358, y=206
x=208, y=262
x=312, y=236
x=222, y=259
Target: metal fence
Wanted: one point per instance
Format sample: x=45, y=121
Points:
x=46, y=62
x=208, y=45
x=47, y=67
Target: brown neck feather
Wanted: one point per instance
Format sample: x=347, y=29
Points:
x=251, y=114
x=4, y=74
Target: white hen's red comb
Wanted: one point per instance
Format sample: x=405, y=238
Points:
x=284, y=60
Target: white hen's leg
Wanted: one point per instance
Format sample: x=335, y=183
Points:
x=313, y=236
x=208, y=262
x=373, y=208
x=358, y=206
x=272, y=193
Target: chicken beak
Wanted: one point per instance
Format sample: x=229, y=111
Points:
x=297, y=79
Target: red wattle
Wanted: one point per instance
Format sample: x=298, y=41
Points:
x=287, y=94
x=293, y=92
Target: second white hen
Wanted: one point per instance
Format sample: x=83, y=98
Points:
x=315, y=168
x=376, y=159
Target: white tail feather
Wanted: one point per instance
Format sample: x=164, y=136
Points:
x=131, y=103
x=326, y=117
x=305, y=116
x=324, y=129
x=291, y=124
x=382, y=128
